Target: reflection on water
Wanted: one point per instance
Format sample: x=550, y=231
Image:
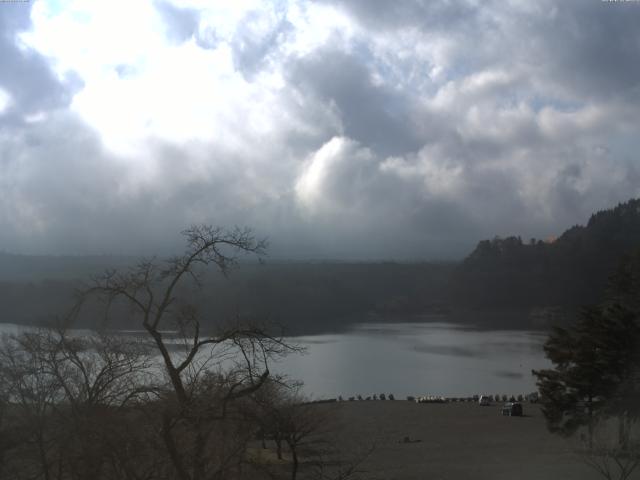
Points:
x=413, y=359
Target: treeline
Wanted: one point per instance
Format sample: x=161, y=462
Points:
x=308, y=298
x=568, y=272
x=303, y=297
x=35, y=268
x=504, y=282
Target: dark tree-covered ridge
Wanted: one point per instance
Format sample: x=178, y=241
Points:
x=571, y=270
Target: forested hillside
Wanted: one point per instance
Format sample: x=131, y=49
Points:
x=304, y=297
x=500, y=283
x=569, y=271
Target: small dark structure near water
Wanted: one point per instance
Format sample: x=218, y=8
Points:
x=512, y=409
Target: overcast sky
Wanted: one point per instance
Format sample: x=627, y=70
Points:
x=351, y=129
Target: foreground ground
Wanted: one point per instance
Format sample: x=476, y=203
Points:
x=457, y=441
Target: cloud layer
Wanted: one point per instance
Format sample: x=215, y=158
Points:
x=337, y=128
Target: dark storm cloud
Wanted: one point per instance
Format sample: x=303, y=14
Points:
x=428, y=14
x=98, y=205
x=44, y=208
x=25, y=74
x=594, y=46
x=584, y=49
x=591, y=46
x=373, y=115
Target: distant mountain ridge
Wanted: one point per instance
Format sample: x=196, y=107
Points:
x=34, y=268
x=570, y=271
x=303, y=297
x=500, y=283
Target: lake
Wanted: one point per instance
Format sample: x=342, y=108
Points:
x=434, y=358
x=417, y=359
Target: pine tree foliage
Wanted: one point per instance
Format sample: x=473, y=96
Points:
x=596, y=362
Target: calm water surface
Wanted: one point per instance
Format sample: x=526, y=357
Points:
x=411, y=359
x=416, y=359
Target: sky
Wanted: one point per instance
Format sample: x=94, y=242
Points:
x=339, y=129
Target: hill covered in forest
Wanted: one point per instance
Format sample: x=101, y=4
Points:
x=304, y=297
x=504, y=282
x=567, y=272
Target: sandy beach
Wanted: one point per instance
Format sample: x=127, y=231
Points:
x=457, y=441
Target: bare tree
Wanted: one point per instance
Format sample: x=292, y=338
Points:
x=30, y=396
x=61, y=391
x=606, y=454
x=196, y=401
x=266, y=410
x=306, y=436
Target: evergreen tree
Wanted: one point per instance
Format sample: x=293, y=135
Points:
x=573, y=390
x=596, y=362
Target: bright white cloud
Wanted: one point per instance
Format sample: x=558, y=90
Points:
x=5, y=101
x=345, y=116
x=177, y=93
x=331, y=173
x=440, y=175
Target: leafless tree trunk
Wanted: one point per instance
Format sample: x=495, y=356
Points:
x=196, y=400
